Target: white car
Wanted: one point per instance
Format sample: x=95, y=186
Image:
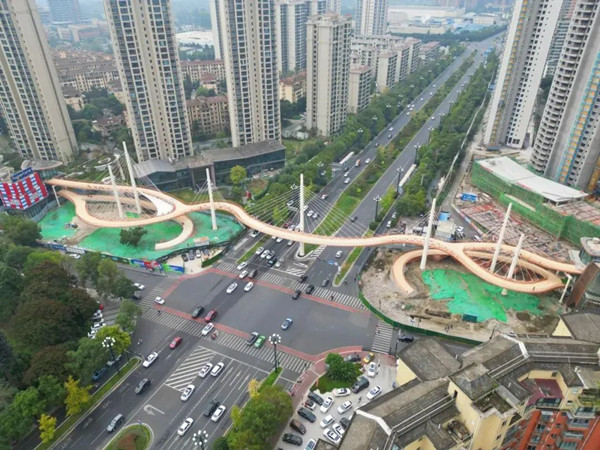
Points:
x=315, y=215
x=338, y=429
x=279, y=263
x=242, y=266
x=367, y=161
x=232, y=287
x=218, y=413
x=217, y=369
x=391, y=129
x=347, y=180
x=243, y=274
x=374, y=392
x=259, y=251
x=187, y=392
x=139, y=286
x=264, y=254
x=341, y=392
x=278, y=239
x=339, y=254
x=159, y=300
x=92, y=334
x=394, y=215
x=309, y=213
x=327, y=420
x=150, y=359
x=254, y=233
x=207, y=329
x=74, y=255
x=344, y=407
x=248, y=286
x=332, y=436
x=98, y=314
x=206, y=368
x=326, y=404
x=185, y=426
x=373, y=369
x=97, y=326
x=290, y=243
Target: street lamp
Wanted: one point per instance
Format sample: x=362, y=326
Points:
x=108, y=343
x=377, y=200
x=400, y=170
x=200, y=438
x=275, y=339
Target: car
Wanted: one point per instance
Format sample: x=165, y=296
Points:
x=191, y=255
x=347, y=180
x=315, y=215
x=290, y=203
x=271, y=262
x=297, y=426
x=296, y=294
x=406, y=338
x=212, y=315
x=211, y=408
x=207, y=329
x=175, y=342
x=187, y=392
x=353, y=219
x=99, y=373
x=310, y=404
x=422, y=98
x=286, y=323
x=372, y=370
x=309, y=213
x=92, y=334
x=259, y=250
x=248, y=286
x=150, y=359
x=374, y=392
x=391, y=129
x=253, y=274
x=117, y=421
x=307, y=414
x=332, y=436
x=242, y=266
x=369, y=357
x=376, y=144
x=354, y=357
x=185, y=426
x=184, y=257
x=303, y=278
x=344, y=407
x=341, y=392
x=159, y=300
x=254, y=233
x=99, y=319
x=232, y=287
x=279, y=263
x=142, y=385
x=311, y=445
x=74, y=255
x=460, y=229
x=260, y=341
x=360, y=384
x=339, y=254
x=432, y=117
x=218, y=413
x=408, y=113
x=315, y=398
x=290, y=243
x=271, y=255
x=97, y=315
x=389, y=136
x=111, y=361
x=324, y=196
x=309, y=289
x=279, y=239
x=253, y=337
x=205, y=370
x=97, y=326
x=394, y=215
x=325, y=282
x=217, y=369
x=243, y=274
x=292, y=439
x=431, y=93
x=197, y=311
x=264, y=254
x=338, y=429
x=345, y=422
x=139, y=286
x=327, y=402
x=388, y=224
x=326, y=421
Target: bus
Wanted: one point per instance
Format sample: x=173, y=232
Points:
x=347, y=158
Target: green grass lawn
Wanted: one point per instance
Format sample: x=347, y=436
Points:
x=271, y=379
x=133, y=437
x=246, y=256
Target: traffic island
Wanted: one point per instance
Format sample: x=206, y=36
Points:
x=132, y=437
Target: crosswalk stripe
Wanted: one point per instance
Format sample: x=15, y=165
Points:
x=383, y=337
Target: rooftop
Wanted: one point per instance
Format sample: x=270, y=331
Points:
x=514, y=173
x=245, y=151
x=474, y=381
x=294, y=78
x=360, y=69
x=583, y=326
x=591, y=246
x=429, y=360
x=209, y=100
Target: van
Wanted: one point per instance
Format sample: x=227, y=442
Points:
x=115, y=423
x=297, y=426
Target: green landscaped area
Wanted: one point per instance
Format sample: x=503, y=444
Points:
x=468, y=294
x=134, y=437
x=53, y=224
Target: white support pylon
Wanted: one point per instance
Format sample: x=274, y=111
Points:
x=428, y=235
x=301, y=250
x=213, y=215
x=138, y=207
x=515, y=260
x=500, y=238
x=121, y=168
x=55, y=196
x=116, y=192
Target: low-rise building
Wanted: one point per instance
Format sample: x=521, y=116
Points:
x=208, y=115
x=107, y=125
x=195, y=69
x=293, y=88
x=359, y=91
x=85, y=70
x=73, y=97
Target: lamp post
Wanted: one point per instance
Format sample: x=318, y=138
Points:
x=430, y=129
x=200, y=438
x=377, y=200
x=400, y=170
x=108, y=343
x=275, y=339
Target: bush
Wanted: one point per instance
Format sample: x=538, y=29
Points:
x=340, y=370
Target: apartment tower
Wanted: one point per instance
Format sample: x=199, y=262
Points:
x=215, y=24
x=334, y=6
x=250, y=54
x=567, y=146
x=30, y=94
x=371, y=17
x=526, y=48
x=564, y=19
x=148, y=63
x=328, y=71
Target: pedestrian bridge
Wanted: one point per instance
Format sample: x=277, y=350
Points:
x=82, y=193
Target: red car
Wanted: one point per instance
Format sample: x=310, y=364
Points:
x=175, y=342
x=211, y=315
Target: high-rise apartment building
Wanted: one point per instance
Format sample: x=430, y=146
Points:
x=64, y=11
x=290, y=21
x=148, y=62
x=371, y=17
x=215, y=23
x=250, y=54
x=328, y=70
x=525, y=51
x=359, y=89
x=30, y=94
x=387, y=68
x=567, y=146
x=564, y=18
x=334, y=6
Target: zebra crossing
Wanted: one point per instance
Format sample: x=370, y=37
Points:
x=188, y=370
x=382, y=341
x=226, y=266
x=231, y=341
x=316, y=252
x=148, y=300
x=344, y=299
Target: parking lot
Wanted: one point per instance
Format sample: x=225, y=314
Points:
x=384, y=378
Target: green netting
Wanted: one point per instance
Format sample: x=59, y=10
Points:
x=53, y=223
x=468, y=294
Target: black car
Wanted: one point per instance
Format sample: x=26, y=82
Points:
x=252, y=338
x=210, y=408
x=253, y=274
x=316, y=398
x=354, y=219
x=142, y=386
x=303, y=278
x=296, y=294
x=309, y=289
x=406, y=338
x=185, y=257
x=197, y=311
x=345, y=423
x=354, y=357
x=272, y=261
x=361, y=383
x=307, y=414
x=325, y=282
x=292, y=439
x=297, y=426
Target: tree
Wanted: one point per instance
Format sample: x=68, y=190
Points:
x=6, y=354
x=279, y=215
x=46, y=280
x=47, y=427
x=21, y=231
x=128, y=313
x=11, y=286
x=50, y=361
x=341, y=370
x=17, y=419
x=89, y=356
x=220, y=444
x=16, y=256
x=237, y=175
x=132, y=236
x=77, y=398
x=36, y=258
x=123, y=287
x=87, y=268
x=107, y=274
x=51, y=391
x=122, y=338
x=253, y=386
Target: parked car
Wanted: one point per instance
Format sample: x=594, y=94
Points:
x=308, y=403
x=326, y=421
x=117, y=421
x=187, y=392
x=369, y=357
x=185, y=426
x=197, y=311
x=360, y=384
x=332, y=436
x=374, y=392
x=297, y=426
x=175, y=342
x=142, y=385
x=150, y=359
x=341, y=392
x=292, y=439
x=99, y=373
x=311, y=445
x=327, y=402
x=344, y=407
x=345, y=422
x=315, y=398
x=354, y=357
x=372, y=370
x=307, y=414
x=338, y=429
